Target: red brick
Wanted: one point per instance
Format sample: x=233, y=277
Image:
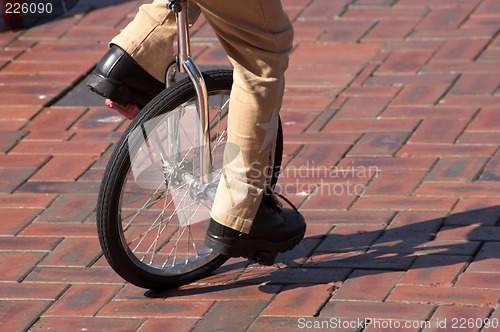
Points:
x=483, y=210
x=68, y=229
x=448, y=247
x=26, y=200
x=18, y=113
x=378, y=144
x=437, y=130
x=401, y=62
x=479, y=280
x=350, y=238
x=434, y=271
x=445, y=150
x=92, y=148
x=371, y=91
x=318, y=77
x=323, y=8
x=475, y=137
x=287, y=276
x=298, y=300
x=362, y=107
x=197, y=291
x=425, y=95
x=35, y=78
x=443, y=295
x=408, y=231
x=20, y=243
x=488, y=8
x=30, y=291
x=69, y=208
x=221, y=315
x=373, y=260
x=460, y=50
x=73, y=252
x=474, y=101
x=15, y=265
x=20, y=315
x=487, y=119
x=331, y=196
x=279, y=323
x=86, y=33
x=472, y=84
x=348, y=217
x=395, y=182
x=46, y=67
x=457, y=169
x=403, y=203
x=378, y=310
x=64, y=324
x=391, y=30
x=474, y=232
x=385, y=13
x=311, y=138
x=16, y=220
x=388, y=163
x=341, y=30
x=82, y=300
x=307, y=103
x=18, y=161
x=341, y=53
x=370, y=125
x=14, y=177
x=73, y=275
x=63, y=168
x=77, y=188
x=454, y=189
x=486, y=259
x=453, y=315
x=367, y=285
x=55, y=118
x=155, y=308
x=462, y=67
x=444, y=18
x=401, y=80
x=314, y=156
x=167, y=324
x=10, y=139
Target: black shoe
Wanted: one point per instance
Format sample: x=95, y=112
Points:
x=118, y=77
x=274, y=230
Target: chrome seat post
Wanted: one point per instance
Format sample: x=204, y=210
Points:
x=186, y=64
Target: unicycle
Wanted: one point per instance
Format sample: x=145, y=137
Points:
x=158, y=187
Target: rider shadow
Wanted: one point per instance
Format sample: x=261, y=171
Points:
x=406, y=244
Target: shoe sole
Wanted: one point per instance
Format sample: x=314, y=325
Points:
x=263, y=252
x=115, y=91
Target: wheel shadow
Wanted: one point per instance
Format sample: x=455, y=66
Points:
x=405, y=244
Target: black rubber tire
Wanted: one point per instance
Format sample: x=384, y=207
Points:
x=109, y=224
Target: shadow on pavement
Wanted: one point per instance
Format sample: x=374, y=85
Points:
x=468, y=237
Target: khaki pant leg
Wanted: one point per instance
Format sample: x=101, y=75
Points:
x=257, y=36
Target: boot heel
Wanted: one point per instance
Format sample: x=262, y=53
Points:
x=264, y=257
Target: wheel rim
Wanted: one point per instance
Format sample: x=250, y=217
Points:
x=164, y=211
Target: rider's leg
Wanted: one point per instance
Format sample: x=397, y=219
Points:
x=257, y=36
x=133, y=70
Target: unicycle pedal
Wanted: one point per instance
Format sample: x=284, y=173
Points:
x=130, y=110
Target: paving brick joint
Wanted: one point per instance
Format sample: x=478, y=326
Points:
x=402, y=210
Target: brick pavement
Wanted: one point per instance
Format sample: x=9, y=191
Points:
x=392, y=128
